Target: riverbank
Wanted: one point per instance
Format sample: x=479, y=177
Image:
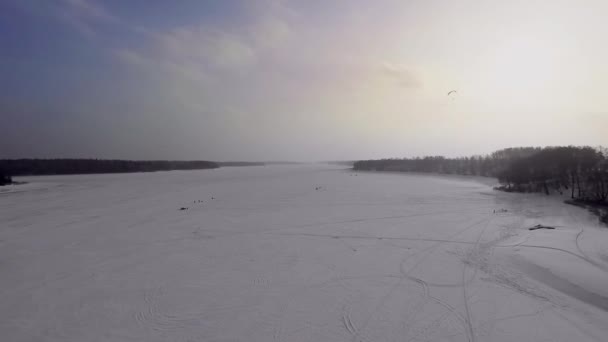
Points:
x=599, y=209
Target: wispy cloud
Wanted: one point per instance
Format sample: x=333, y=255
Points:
x=403, y=75
x=201, y=51
x=209, y=47
x=86, y=15
x=190, y=53
x=271, y=62
x=89, y=9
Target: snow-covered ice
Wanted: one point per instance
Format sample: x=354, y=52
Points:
x=295, y=253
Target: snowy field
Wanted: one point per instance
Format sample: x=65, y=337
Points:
x=295, y=253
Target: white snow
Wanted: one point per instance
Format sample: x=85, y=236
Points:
x=295, y=253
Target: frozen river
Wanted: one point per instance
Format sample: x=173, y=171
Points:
x=295, y=253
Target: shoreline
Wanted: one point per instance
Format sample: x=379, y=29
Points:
x=485, y=180
x=598, y=210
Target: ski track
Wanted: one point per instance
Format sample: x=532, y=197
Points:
x=425, y=287
x=582, y=252
x=469, y=323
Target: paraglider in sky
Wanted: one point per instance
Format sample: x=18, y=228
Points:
x=452, y=95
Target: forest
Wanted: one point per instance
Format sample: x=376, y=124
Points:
x=24, y=167
x=580, y=172
x=5, y=179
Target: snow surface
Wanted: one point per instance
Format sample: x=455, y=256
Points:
x=295, y=253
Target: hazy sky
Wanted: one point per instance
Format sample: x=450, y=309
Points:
x=299, y=80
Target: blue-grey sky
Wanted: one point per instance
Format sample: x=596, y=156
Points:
x=299, y=80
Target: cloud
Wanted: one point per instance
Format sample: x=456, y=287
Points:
x=89, y=9
x=85, y=16
x=402, y=75
x=190, y=54
x=270, y=40
x=203, y=52
x=208, y=47
x=270, y=61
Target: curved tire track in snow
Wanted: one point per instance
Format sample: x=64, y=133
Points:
x=464, y=320
x=581, y=251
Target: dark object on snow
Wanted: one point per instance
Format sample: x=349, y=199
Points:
x=183, y=208
x=540, y=226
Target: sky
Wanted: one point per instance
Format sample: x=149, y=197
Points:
x=299, y=80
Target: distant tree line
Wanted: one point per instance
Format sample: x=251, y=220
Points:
x=5, y=179
x=341, y=162
x=582, y=172
x=240, y=163
x=22, y=167
x=489, y=165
